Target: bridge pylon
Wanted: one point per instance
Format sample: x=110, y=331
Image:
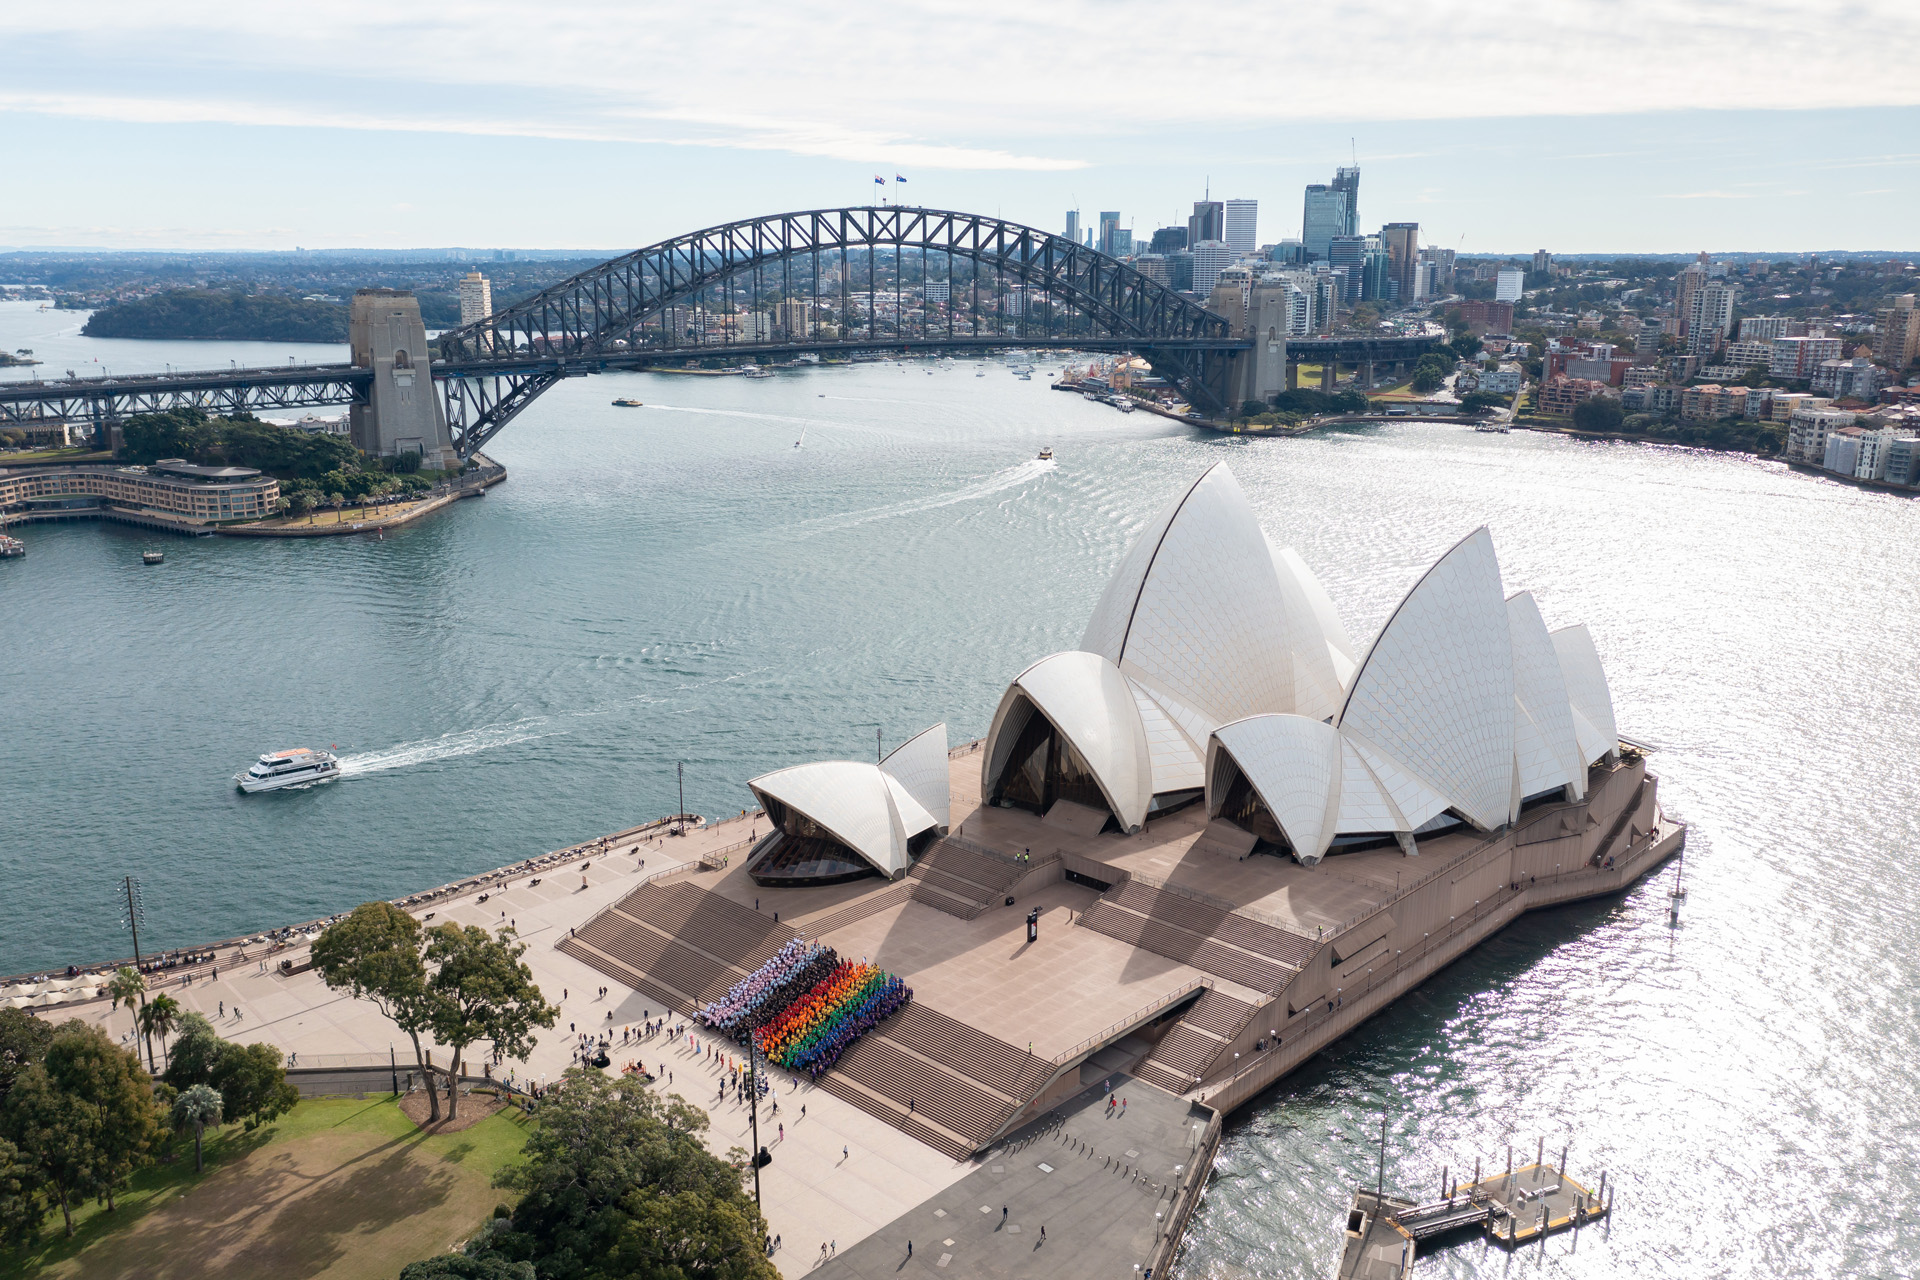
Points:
x=402, y=413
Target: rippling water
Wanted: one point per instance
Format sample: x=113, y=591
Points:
x=680, y=583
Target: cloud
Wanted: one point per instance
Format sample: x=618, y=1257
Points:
x=926, y=82
x=1706, y=195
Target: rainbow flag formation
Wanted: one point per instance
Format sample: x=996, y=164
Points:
x=796, y=969
x=811, y=1033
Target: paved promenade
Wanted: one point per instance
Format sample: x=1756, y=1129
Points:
x=812, y=1192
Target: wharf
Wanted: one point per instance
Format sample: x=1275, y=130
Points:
x=1515, y=1208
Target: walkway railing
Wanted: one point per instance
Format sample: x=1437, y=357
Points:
x=1134, y=1019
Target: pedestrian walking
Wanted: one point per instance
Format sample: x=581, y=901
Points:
x=1003, y=1213
x=909, y=1248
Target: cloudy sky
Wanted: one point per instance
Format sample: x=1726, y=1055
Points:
x=1634, y=125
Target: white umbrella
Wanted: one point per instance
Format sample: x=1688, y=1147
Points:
x=18, y=1002
x=45, y=998
x=62, y=984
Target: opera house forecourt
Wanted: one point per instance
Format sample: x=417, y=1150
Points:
x=1187, y=855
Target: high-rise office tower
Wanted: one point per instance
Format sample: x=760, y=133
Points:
x=1168, y=239
x=1348, y=180
x=1238, y=220
x=1326, y=215
x=1073, y=225
x=1207, y=223
x=1210, y=258
x=1401, y=240
x=1109, y=229
x=1349, y=252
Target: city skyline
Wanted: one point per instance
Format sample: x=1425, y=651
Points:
x=391, y=141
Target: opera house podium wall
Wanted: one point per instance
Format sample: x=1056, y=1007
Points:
x=1200, y=969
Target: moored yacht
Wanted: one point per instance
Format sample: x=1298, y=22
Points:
x=288, y=768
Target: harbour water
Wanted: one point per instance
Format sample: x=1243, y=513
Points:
x=679, y=584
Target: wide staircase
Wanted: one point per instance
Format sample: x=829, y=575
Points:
x=934, y=1078
x=1224, y=943
x=960, y=881
x=1192, y=1045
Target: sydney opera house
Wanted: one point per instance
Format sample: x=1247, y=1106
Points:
x=1237, y=833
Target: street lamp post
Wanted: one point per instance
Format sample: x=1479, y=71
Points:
x=135, y=908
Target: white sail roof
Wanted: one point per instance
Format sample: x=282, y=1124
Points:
x=1587, y=692
x=920, y=766
x=1206, y=613
x=1090, y=704
x=1434, y=696
x=1295, y=766
x=865, y=808
x=1546, y=751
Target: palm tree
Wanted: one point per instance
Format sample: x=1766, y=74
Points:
x=199, y=1107
x=160, y=1016
x=129, y=985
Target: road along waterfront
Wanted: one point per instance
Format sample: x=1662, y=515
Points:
x=679, y=582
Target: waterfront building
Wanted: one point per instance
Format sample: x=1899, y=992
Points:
x=1210, y=258
x=1809, y=430
x=1324, y=216
x=1788, y=403
x=1505, y=380
x=793, y=316
x=1563, y=395
x=754, y=326
x=1239, y=220
x=476, y=298
x=1510, y=285
x=172, y=487
x=1903, y=460
x=1749, y=353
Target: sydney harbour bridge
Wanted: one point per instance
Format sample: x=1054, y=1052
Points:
x=868, y=279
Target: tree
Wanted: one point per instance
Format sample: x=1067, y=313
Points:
x=1601, y=413
x=157, y=1017
x=21, y=1208
x=199, y=1106
x=83, y=1116
x=128, y=985
x=375, y=954
x=482, y=991
x=23, y=1042
x=195, y=1051
x=458, y=1266
x=618, y=1184
x=252, y=1083
x=1364, y=316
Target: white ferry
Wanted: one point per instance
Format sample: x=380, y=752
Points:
x=289, y=768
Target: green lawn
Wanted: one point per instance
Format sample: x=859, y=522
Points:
x=342, y=1188
x=54, y=455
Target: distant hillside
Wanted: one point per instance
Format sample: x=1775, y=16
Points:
x=207, y=313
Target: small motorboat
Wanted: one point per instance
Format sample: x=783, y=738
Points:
x=152, y=557
x=628, y=403
x=1046, y=455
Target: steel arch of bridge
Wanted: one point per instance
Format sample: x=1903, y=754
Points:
x=596, y=319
